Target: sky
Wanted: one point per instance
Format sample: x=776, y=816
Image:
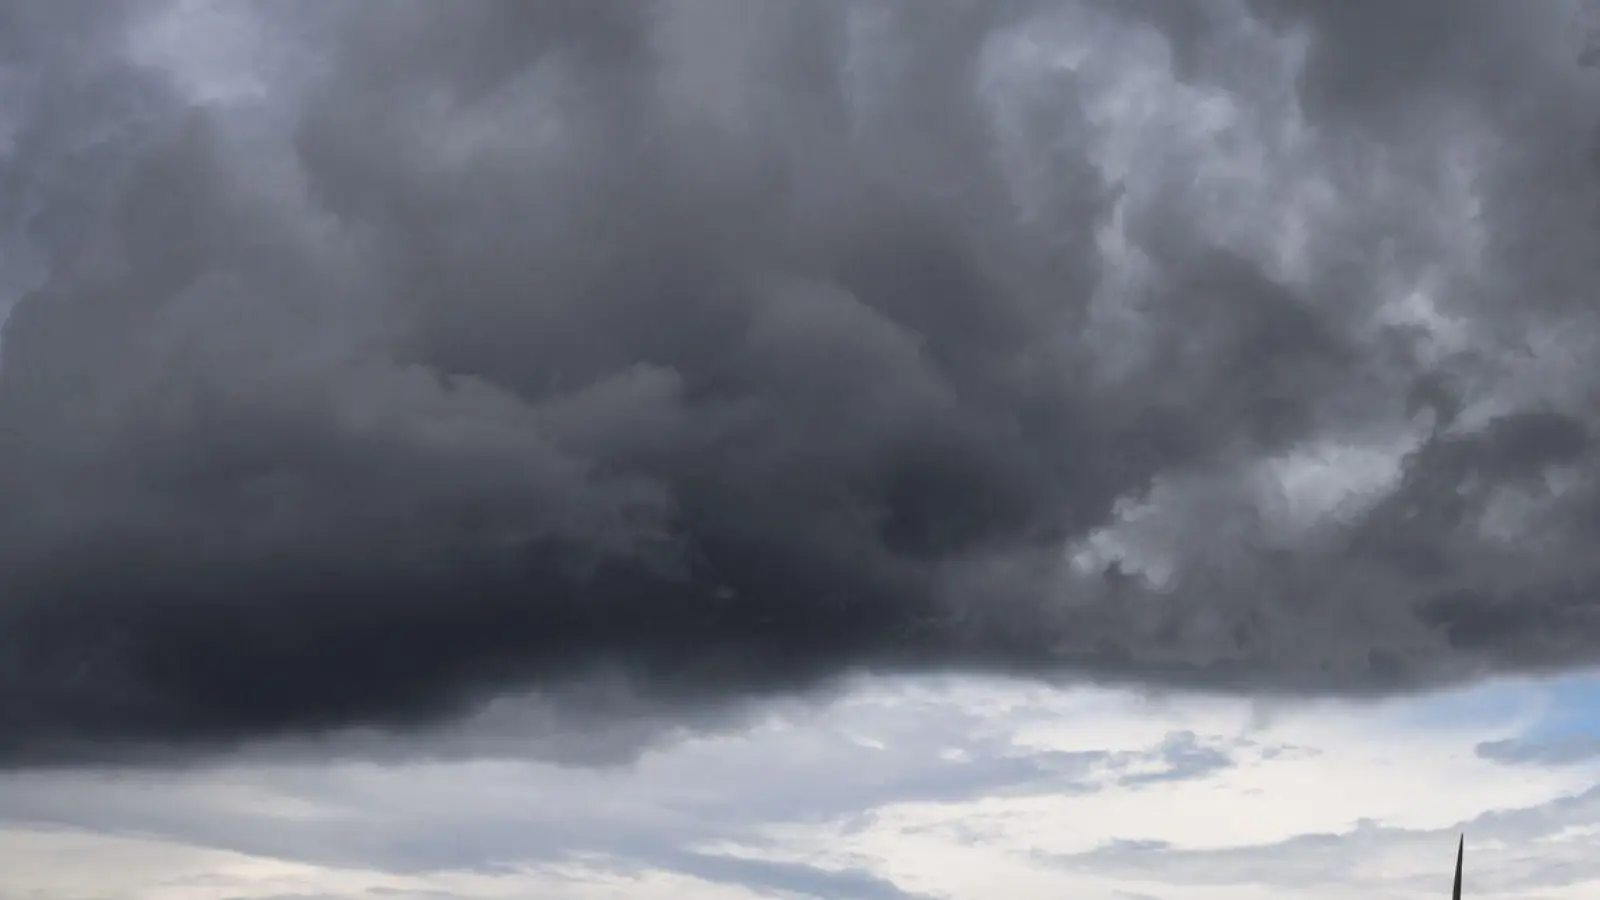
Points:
x=946, y=787
x=854, y=448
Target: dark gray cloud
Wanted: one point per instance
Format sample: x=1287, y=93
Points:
x=723, y=349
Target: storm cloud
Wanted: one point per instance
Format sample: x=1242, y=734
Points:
x=368, y=361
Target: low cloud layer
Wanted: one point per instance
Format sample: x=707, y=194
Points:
x=907, y=788
x=366, y=361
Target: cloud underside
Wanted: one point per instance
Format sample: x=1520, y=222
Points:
x=413, y=353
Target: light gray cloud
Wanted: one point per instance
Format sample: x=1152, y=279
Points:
x=789, y=878
x=768, y=811
x=1183, y=757
x=674, y=811
x=1512, y=852
x=1564, y=751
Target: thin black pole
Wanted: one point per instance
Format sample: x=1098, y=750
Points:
x=1461, y=850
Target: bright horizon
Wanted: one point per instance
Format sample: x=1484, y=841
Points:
x=905, y=788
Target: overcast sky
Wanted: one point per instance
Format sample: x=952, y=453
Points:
x=1098, y=448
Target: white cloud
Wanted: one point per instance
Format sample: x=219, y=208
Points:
x=941, y=788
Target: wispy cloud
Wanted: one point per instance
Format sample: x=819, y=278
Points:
x=895, y=789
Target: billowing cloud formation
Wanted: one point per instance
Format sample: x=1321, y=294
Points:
x=397, y=354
